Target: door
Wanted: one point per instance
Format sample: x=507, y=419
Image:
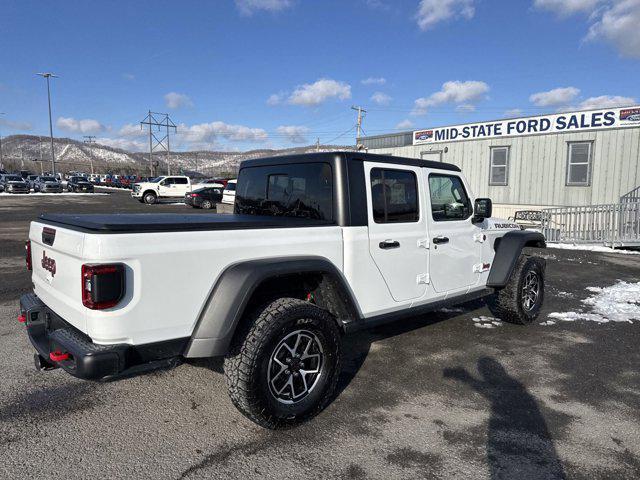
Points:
x=454, y=248
x=181, y=186
x=398, y=229
x=165, y=187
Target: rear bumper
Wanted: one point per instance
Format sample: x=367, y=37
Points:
x=53, y=338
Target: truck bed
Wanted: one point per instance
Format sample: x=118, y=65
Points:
x=172, y=222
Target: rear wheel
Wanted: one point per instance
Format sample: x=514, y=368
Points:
x=206, y=204
x=283, y=366
x=150, y=198
x=521, y=299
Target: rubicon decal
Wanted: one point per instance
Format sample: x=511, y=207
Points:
x=48, y=264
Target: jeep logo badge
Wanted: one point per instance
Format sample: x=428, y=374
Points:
x=48, y=263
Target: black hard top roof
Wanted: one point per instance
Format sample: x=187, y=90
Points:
x=350, y=156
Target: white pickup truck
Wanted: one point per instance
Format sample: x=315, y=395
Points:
x=150, y=192
x=319, y=245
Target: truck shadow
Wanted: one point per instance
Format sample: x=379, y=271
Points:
x=519, y=444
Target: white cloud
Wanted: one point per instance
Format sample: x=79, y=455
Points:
x=312, y=94
x=12, y=125
x=466, y=108
x=124, y=144
x=128, y=76
x=381, y=98
x=606, y=101
x=557, y=97
x=567, y=7
x=374, y=81
x=87, y=125
x=294, y=133
x=620, y=25
x=432, y=12
x=206, y=132
x=456, y=92
x=404, y=125
x=275, y=99
x=514, y=112
x=249, y=7
x=612, y=21
x=131, y=130
x=175, y=100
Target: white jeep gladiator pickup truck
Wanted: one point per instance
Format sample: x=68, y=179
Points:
x=319, y=245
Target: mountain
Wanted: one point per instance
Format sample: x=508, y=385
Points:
x=33, y=153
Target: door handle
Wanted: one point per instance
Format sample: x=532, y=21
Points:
x=387, y=244
x=440, y=240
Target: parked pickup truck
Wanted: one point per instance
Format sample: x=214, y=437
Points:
x=320, y=245
x=150, y=192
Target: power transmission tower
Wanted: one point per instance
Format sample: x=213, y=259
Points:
x=360, y=111
x=159, y=120
x=89, y=139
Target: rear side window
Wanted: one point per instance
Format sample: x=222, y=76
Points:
x=449, y=199
x=180, y=181
x=298, y=190
x=394, y=196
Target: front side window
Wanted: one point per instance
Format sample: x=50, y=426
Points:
x=297, y=190
x=167, y=182
x=579, y=164
x=394, y=196
x=499, y=166
x=449, y=199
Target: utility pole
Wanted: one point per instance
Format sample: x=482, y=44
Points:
x=49, y=75
x=317, y=144
x=155, y=119
x=196, y=162
x=89, y=139
x=1, y=159
x=360, y=111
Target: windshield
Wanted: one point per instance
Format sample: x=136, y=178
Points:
x=297, y=190
x=155, y=180
x=13, y=178
x=47, y=179
x=78, y=179
x=231, y=187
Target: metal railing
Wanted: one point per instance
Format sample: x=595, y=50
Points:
x=615, y=225
x=632, y=196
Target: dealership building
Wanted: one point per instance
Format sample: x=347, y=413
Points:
x=566, y=159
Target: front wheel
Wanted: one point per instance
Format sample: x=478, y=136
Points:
x=521, y=299
x=283, y=367
x=150, y=198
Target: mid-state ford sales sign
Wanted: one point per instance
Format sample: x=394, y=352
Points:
x=558, y=123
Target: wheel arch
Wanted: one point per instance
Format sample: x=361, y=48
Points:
x=245, y=285
x=508, y=249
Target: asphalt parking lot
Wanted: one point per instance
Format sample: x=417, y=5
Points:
x=455, y=394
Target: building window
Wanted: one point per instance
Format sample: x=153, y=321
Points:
x=394, y=196
x=499, y=166
x=579, y=164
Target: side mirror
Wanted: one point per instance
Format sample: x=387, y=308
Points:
x=482, y=208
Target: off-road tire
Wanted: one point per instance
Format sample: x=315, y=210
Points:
x=246, y=364
x=206, y=205
x=150, y=198
x=507, y=303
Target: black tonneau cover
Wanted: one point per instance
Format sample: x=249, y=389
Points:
x=172, y=222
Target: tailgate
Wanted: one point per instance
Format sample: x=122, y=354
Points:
x=57, y=265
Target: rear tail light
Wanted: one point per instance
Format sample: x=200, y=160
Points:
x=195, y=194
x=103, y=286
x=27, y=252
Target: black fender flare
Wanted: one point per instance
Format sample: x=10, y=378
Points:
x=233, y=290
x=508, y=250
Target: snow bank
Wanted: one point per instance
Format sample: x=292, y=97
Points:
x=617, y=303
x=591, y=248
x=66, y=194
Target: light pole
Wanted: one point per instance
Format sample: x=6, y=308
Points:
x=1, y=160
x=49, y=75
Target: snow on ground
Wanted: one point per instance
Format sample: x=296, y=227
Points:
x=452, y=310
x=617, y=303
x=548, y=322
x=487, y=322
x=66, y=194
x=591, y=248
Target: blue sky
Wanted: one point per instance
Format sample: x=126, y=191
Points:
x=239, y=74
